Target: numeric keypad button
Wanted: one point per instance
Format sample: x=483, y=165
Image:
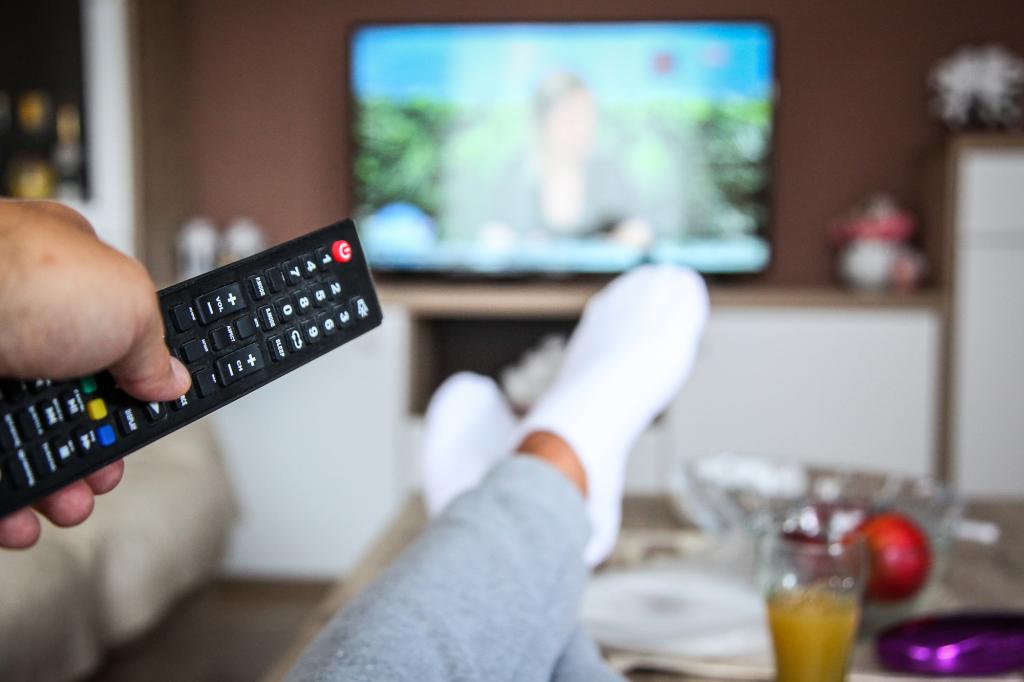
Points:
x=343, y=316
x=303, y=302
x=292, y=272
x=285, y=308
x=312, y=331
x=308, y=263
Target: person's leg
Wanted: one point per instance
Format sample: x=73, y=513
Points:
x=490, y=591
x=582, y=662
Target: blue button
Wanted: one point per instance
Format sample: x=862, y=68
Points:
x=105, y=434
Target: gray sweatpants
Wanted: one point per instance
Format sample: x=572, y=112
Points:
x=489, y=592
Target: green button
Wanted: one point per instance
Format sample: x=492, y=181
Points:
x=88, y=385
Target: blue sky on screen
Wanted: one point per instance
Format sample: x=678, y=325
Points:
x=484, y=64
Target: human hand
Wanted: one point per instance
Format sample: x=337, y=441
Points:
x=71, y=306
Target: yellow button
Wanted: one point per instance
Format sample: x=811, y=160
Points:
x=97, y=409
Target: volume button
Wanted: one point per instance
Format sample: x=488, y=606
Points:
x=220, y=302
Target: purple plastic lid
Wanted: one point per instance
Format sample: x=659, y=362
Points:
x=957, y=644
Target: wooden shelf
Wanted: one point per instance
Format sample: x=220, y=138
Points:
x=467, y=300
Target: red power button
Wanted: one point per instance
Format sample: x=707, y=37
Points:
x=341, y=251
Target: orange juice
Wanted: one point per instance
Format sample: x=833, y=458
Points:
x=812, y=632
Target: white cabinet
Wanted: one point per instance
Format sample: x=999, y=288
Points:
x=987, y=396
x=839, y=387
x=313, y=458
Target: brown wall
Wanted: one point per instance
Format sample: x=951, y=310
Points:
x=269, y=113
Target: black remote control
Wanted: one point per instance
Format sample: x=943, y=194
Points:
x=235, y=328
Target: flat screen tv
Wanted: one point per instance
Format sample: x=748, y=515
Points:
x=518, y=148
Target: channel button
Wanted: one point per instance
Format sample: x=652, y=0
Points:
x=240, y=364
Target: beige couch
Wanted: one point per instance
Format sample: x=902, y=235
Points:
x=83, y=590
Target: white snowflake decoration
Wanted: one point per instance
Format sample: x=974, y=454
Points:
x=982, y=82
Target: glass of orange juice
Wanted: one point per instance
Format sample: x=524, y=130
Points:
x=813, y=587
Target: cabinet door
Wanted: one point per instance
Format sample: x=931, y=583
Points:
x=988, y=380
x=313, y=458
x=843, y=388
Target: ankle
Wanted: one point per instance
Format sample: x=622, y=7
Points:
x=558, y=453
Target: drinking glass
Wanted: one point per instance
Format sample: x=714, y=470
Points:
x=813, y=587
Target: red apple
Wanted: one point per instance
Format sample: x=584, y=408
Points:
x=899, y=556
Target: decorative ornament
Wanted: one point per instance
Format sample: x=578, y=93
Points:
x=872, y=242
x=978, y=88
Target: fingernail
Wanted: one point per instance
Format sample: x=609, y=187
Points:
x=181, y=376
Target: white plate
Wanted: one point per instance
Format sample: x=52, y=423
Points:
x=681, y=612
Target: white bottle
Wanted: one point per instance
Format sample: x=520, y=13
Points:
x=242, y=238
x=197, y=247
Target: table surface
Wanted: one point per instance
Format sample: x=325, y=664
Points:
x=978, y=576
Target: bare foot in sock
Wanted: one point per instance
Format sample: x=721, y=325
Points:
x=469, y=427
x=628, y=357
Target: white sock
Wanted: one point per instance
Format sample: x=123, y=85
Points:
x=469, y=427
x=629, y=356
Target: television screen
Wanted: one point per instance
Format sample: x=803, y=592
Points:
x=563, y=147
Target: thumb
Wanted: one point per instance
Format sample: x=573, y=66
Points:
x=147, y=371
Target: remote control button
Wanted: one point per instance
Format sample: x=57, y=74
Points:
x=312, y=331
x=193, y=350
x=341, y=250
x=343, y=316
x=29, y=424
x=258, y=287
x=37, y=386
x=105, y=436
x=220, y=302
x=360, y=308
x=97, y=409
x=223, y=337
x=292, y=272
x=128, y=421
x=63, y=449
x=268, y=317
x=41, y=459
x=245, y=327
x=240, y=364
x=303, y=302
x=323, y=257
x=51, y=413
x=278, y=352
x=182, y=317
x=7, y=442
x=285, y=309
x=88, y=385
x=275, y=276
x=86, y=440
x=295, y=339
x=11, y=430
x=155, y=412
x=20, y=472
x=327, y=323
x=205, y=382
x=73, y=403
x=308, y=263
x=182, y=402
x=319, y=296
x=334, y=287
